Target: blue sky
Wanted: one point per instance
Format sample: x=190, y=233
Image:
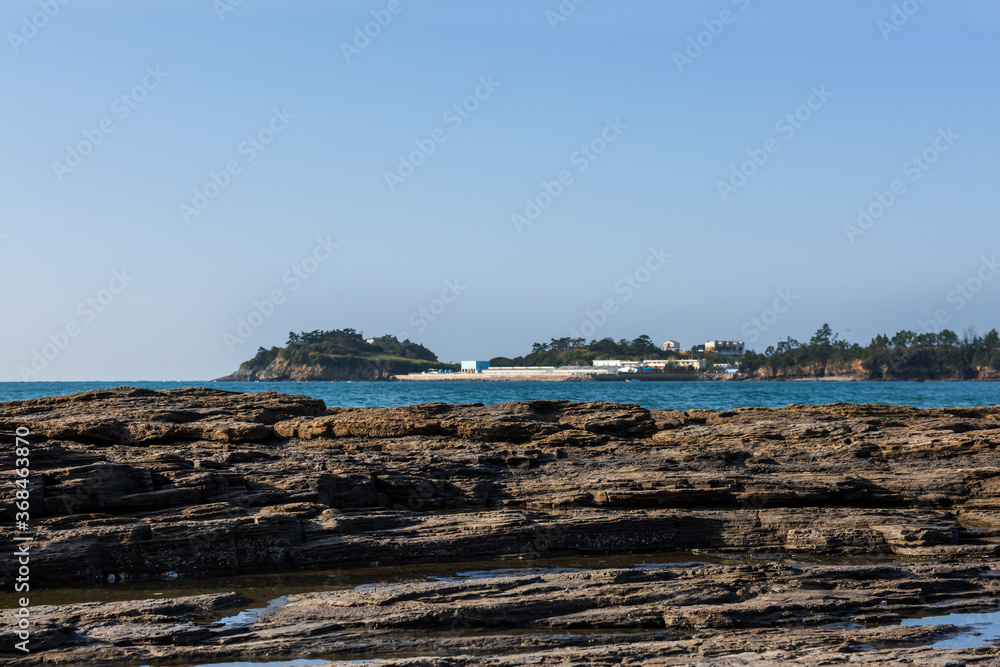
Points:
x=205, y=89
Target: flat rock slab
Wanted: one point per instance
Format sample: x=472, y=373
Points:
x=138, y=484
x=682, y=614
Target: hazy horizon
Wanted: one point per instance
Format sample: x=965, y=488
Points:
x=480, y=177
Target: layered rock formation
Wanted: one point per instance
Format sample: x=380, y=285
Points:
x=355, y=370
x=135, y=483
x=681, y=614
x=858, y=371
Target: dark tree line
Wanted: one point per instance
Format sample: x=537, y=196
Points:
x=577, y=351
x=906, y=355
x=320, y=346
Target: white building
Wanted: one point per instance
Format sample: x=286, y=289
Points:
x=586, y=370
x=474, y=366
x=518, y=370
x=697, y=364
x=671, y=346
x=734, y=347
x=620, y=366
x=542, y=371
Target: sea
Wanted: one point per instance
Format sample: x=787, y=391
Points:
x=722, y=395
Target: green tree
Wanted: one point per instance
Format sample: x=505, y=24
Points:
x=823, y=336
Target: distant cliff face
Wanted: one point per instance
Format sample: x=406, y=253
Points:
x=281, y=371
x=857, y=371
x=342, y=369
x=817, y=370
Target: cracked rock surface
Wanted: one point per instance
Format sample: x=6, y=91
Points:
x=832, y=524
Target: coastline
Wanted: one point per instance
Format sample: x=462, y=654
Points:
x=703, y=377
x=552, y=377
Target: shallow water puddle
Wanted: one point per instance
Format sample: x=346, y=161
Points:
x=983, y=629
x=248, y=617
x=259, y=589
x=282, y=663
x=503, y=572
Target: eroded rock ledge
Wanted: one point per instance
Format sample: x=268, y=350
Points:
x=138, y=483
x=682, y=614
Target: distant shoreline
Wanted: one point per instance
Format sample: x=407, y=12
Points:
x=553, y=377
x=676, y=377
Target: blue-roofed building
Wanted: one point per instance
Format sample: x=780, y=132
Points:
x=474, y=366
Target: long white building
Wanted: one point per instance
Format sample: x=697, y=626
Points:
x=734, y=347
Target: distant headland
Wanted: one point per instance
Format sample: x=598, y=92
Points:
x=340, y=354
x=345, y=354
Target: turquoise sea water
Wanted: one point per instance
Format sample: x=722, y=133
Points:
x=664, y=395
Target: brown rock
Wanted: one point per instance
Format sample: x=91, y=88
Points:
x=138, y=483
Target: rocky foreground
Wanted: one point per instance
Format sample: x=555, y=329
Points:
x=805, y=534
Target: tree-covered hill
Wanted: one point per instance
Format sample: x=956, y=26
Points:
x=908, y=355
x=339, y=354
x=578, y=352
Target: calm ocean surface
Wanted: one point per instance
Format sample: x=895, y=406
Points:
x=664, y=395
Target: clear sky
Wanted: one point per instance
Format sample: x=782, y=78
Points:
x=695, y=165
